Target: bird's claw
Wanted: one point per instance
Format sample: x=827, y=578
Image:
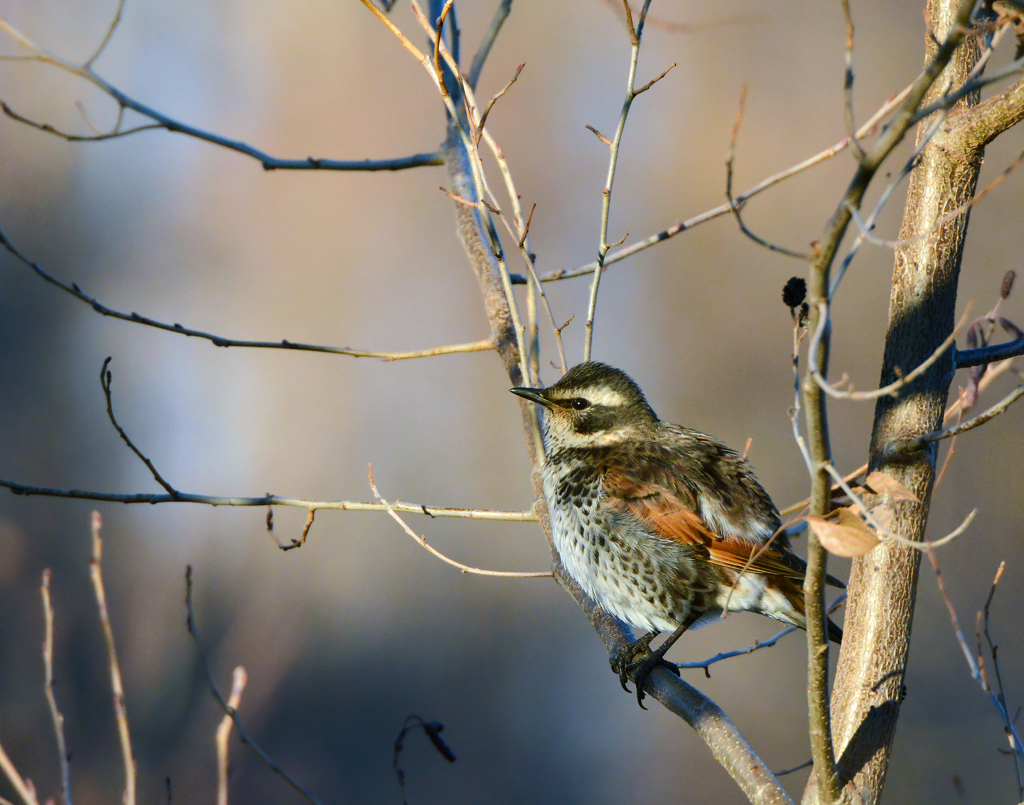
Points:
x=637, y=660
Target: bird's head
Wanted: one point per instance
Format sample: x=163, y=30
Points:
x=593, y=405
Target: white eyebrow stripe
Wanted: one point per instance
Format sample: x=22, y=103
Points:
x=608, y=397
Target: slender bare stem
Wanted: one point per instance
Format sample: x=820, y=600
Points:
x=270, y=500
x=229, y=711
x=635, y=35
x=107, y=36
x=735, y=206
x=489, y=38
x=85, y=72
x=238, y=680
x=891, y=389
x=51, y=699
x=977, y=671
x=22, y=787
x=760, y=644
x=885, y=533
x=221, y=341
x=422, y=541
x=120, y=711
x=970, y=424
x=726, y=209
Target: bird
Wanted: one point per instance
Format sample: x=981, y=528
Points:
x=663, y=526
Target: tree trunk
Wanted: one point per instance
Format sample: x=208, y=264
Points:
x=869, y=683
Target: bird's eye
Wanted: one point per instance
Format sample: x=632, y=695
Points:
x=580, y=404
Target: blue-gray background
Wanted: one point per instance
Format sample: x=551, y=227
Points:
x=347, y=636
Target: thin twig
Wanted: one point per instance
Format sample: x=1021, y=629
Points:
x=431, y=549
x=106, y=378
x=636, y=33
x=269, y=500
x=224, y=705
x=760, y=644
x=927, y=438
x=520, y=233
x=489, y=38
x=124, y=101
x=735, y=206
x=51, y=699
x=220, y=341
x=433, y=730
x=438, y=38
x=22, y=787
x=238, y=680
x=726, y=209
x=791, y=769
x=976, y=670
x=999, y=691
x=106, y=37
x=990, y=354
x=494, y=100
x=460, y=133
x=885, y=196
x=848, y=83
x=992, y=372
x=942, y=220
x=892, y=388
x=885, y=533
x=120, y=711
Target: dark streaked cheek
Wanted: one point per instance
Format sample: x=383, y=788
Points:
x=594, y=420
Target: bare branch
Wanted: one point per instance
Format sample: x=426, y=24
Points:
x=220, y=341
x=892, y=388
x=760, y=644
x=635, y=34
x=599, y=136
x=120, y=712
x=239, y=679
x=229, y=711
x=500, y=15
x=268, y=500
x=161, y=120
x=51, y=700
x=107, y=36
x=848, y=83
x=725, y=209
x=927, y=438
x=655, y=80
x=433, y=730
x=494, y=100
x=733, y=204
x=977, y=670
x=999, y=692
x=106, y=378
x=884, y=532
x=22, y=787
x=726, y=742
x=985, y=355
x=431, y=549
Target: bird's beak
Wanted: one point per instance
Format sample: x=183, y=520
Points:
x=534, y=395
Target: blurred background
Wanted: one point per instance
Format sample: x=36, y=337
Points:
x=346, y=637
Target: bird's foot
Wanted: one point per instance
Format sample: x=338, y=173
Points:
x=637, y=660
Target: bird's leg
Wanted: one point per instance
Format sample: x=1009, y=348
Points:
x=641, y=659
x=638, y=659
x=629, y=657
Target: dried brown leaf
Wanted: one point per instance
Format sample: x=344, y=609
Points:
x=843, y=533
x=887, y=485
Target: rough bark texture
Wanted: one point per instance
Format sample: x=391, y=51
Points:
x=868, y=688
